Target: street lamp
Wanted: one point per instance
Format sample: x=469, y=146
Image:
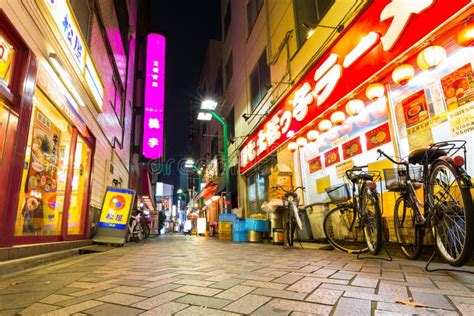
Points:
x=190, y=164
x=208, y=108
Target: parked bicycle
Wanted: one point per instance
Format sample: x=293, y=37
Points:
x=135, y=229
x=355, y=225
x=447, y=201
x=291, y=216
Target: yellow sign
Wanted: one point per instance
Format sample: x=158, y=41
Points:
x=116, y=208
x=462, y=120
x=342, y=167
x=322, y=184
x=379, y=165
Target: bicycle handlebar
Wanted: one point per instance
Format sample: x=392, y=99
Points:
x=381, y=153
x=286, y=191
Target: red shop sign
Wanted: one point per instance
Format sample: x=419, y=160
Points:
x=384, y=31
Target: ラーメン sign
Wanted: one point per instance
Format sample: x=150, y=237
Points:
x=383, y=32
x=154, y=97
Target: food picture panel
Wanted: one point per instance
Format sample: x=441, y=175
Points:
x=378, y=136
x=315, y=164
x=458, y=87
x=332, y=157
x=351, y=148
x=415, y=108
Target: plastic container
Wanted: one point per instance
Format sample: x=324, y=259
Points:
x=227, y=217
x=241, y=236
x=304, y=234
x=255, y=236
x=258, y=225
x=239, y=226
x=278, y=236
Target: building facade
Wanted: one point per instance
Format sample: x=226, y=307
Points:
x=67, y=91
x=316, y=87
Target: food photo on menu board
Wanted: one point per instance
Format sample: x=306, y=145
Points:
x=40, y=198
x=315, y=164
x=378, y=136
x=458, y=87
x=332, y=157
x=351, y=148
x=415, y=108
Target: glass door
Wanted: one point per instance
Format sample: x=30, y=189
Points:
x=79, y=188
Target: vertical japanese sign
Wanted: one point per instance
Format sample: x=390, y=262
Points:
x=154, y=97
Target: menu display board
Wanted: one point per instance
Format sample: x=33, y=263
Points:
x=41, y=209
x=415, y=108
x=458, y=87
x=116, y=208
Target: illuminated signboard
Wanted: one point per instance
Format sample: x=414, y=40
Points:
x=64, y=20
x=381, y=34
x=66, y=24
x=154, y=97
x=116, y=208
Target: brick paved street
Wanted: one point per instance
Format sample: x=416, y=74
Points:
x=197, y=276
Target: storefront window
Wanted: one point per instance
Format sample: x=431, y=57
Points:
x=45, y=172
x=78, y=188
x=4, y=119
x=6, y=60
x=257, y=192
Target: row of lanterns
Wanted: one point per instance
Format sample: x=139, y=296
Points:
x=427, y=59
x=353, y=107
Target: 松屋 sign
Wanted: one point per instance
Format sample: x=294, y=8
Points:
x=382, y=33
x=65, y=22
x=154, y=97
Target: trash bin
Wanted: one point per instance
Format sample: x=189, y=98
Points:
x=316, y=213
x=276, y=219
x=305, y=233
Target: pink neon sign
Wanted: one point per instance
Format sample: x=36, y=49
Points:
x=154, y=97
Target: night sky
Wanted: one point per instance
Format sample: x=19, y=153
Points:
x=187, y=26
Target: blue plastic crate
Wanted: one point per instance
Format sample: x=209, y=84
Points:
x=227, y=217
x=258, y=225
x=240, y=236
x=239, y=226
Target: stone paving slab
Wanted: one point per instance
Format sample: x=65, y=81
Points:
x=174, y=275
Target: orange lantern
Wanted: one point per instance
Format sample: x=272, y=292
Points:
x=338, y=117
x=375, y=91
x=312, y=135
x=465, y=36
x=354, y=106
x=292, y=146
x=431, y=57
x=301, y=141
x=324, y=125
x=403, y=73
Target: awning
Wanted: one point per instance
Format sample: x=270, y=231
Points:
x=147, y=192
x=206, y=193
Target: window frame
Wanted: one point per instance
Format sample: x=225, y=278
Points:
x=298, y=23
x=229, y=62
x=259, y=72
x=258, y=9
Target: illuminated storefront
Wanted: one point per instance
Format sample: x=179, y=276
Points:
x=398, y=78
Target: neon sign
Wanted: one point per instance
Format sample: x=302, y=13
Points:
x=385, y=31
x=154, y=97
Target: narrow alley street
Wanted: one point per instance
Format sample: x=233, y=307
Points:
x=197, y=276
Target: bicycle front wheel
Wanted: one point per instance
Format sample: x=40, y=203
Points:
x=453, y=209
x=343, y=230
x=372, y=219
x=409, y=235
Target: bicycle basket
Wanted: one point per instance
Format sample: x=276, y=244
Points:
x=338, y=193
x=395, y=179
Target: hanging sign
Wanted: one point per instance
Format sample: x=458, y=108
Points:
x=154, y=97
x=384, y=31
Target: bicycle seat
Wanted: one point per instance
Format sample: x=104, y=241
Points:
x=397, y=186
x=417, y=156
x=361, y=176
